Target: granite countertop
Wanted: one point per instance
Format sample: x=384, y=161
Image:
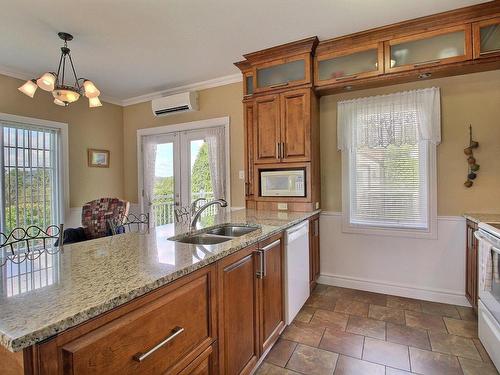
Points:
x=55, y=292
x=483, y=218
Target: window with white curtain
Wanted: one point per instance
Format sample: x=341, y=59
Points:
x=388, y=146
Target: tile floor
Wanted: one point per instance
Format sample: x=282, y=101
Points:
x=351, y=332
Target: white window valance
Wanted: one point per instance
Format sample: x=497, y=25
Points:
x=379, y=121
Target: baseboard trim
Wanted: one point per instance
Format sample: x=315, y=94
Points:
x=443, y=296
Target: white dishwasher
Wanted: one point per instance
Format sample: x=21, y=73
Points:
x=297, y=269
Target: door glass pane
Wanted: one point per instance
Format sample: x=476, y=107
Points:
x=288, y=72
x=162, y=203
x=200, y=176
x=429, y=49
x=364, y=61
x=490, y=38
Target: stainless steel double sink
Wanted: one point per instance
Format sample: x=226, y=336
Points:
x=213, y=236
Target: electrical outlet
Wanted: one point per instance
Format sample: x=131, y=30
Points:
x=282, y=206
x=242, y=175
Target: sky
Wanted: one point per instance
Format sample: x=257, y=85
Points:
x=164, y=165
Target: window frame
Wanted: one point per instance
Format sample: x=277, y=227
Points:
x=430, y=232
x=63, y=159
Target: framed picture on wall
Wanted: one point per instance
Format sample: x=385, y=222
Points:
x=98, y=158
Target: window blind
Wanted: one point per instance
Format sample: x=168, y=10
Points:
x=389, y=186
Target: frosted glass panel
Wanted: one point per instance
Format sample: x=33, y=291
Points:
x=288, y=72
x=490, y=38
x=433, y=48
x=365, y=61
x=249, y=82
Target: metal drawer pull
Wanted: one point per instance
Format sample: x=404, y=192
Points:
x=437, y=61
x=139, y=357
x=278, y=85
x=278, y=150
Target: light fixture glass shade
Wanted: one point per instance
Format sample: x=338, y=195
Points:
x=90, y=90
x=66, y=95
x=46, y=81
x=58, y=102
x=29, y=88
x=94, y=102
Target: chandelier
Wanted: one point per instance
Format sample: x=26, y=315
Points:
x=64, y=93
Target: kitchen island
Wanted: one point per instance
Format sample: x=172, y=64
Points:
x=95, y=279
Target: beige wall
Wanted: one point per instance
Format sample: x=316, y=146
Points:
x=473, y=99
x=215, y=102
x=469, y=99
x=87, y=128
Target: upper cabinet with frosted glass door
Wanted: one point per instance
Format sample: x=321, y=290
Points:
x=332, y=66
x=282, y=67
x=428, y=49
x=486, y=37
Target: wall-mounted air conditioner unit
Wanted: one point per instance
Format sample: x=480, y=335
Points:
x=183, y=102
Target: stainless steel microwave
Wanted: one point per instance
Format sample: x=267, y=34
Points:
x=283, y=183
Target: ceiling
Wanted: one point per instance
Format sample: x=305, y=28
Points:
x=131, y=48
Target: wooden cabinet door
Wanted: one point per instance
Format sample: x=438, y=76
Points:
x=271, y=277
x=267, y=129
x=486, y=38
x=437, y=47
x=238, y=313
x=471, y=281
x=296, y=126
x=313, y=251
x=249, y=149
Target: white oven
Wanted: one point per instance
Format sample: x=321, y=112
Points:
x=489, y=289
x=283, y=183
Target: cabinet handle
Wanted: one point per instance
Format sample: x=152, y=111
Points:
x=349, y=76
x=432, y=62
x=282, y=150
x=278, y=150
x=489, y=52
x=139, y=357
x=260, y=272
x=282, y=84
x=263, y=263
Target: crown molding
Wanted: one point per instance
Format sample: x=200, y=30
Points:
x=215, y=82
x=211, y=83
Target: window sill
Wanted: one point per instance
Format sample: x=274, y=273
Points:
x=430, y=233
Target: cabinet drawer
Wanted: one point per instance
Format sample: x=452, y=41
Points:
x=150, y=339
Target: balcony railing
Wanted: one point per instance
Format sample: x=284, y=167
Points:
x=163, y=206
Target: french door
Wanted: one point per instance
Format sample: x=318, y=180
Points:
x=180, y=168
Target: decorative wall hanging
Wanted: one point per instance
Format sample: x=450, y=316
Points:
x=98, y=158
x=64, y=93
x=471, y=160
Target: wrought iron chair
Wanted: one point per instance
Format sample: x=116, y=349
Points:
x=29, y=243
x=129, y=223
